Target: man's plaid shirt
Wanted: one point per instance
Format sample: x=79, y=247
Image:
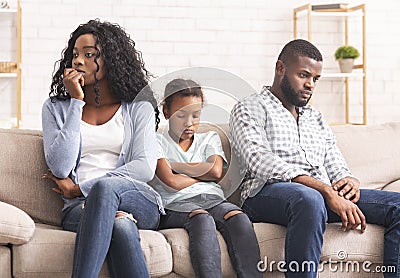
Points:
x=272, y=147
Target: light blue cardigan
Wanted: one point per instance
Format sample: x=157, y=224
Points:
x=62, y=143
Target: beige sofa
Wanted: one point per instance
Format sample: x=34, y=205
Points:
x=32, y=243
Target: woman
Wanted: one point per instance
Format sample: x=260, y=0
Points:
x=100, y=145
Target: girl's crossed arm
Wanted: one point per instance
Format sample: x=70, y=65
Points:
x=173, y=180
x=211, y=170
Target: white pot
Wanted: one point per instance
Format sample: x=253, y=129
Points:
x=346, y=65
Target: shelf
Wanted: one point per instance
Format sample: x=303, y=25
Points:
x=306, y=10
x=8, y=122
x=342, y=123
x=12, y=69
x=323, y=13
x=343, y=15
x=8, y=10
x=8, y=74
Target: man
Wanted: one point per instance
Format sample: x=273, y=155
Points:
x=295, y=173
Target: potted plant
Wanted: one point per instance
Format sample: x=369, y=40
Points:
x=345, y=55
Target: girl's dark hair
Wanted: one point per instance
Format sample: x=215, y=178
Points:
x=181, y=88
x=124, y=65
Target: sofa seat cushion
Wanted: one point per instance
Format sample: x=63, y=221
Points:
x=16, y=227
x=352, y=245
x=5, y=262
x=51, y=250
x=338, y=245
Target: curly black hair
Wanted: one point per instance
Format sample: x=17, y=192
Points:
x=124, y=65
x=297, y=48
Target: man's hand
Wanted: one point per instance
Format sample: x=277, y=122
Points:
x=349, y=188
x=350, y=213
x=66, y=186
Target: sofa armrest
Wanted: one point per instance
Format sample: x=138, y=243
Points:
x=16, y=226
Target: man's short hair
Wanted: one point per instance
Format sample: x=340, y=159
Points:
x=299, y=47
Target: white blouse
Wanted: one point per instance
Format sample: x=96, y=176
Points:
x=101, y=147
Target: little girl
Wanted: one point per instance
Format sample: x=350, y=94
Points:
x=188, y=167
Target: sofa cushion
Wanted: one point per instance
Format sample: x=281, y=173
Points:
x=353, y=245
x=51, y=250
x=16, y=227
x=271, y=239
x=157, y=252
x=5, y=262
x=22, y=165
x=393, y=186
x=372, y=152
x=357, y=247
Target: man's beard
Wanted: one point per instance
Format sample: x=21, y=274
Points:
x=291, y=95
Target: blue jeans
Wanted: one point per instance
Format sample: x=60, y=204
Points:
x=101, y=235
x=303, y=211
x=204, y=248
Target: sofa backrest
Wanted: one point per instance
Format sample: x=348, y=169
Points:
x=22, y=165
x=372, y=153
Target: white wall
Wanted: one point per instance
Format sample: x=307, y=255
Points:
x=243, y=37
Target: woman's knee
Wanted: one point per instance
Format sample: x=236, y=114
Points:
x=122, y=214
x=124, y=225
x=101, y=188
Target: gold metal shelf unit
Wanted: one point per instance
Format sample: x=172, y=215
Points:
x=12, y=69
x=356, y=11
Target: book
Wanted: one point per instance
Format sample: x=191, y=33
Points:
x=329, y=6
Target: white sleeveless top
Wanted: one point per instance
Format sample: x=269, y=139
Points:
x=101, y=147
